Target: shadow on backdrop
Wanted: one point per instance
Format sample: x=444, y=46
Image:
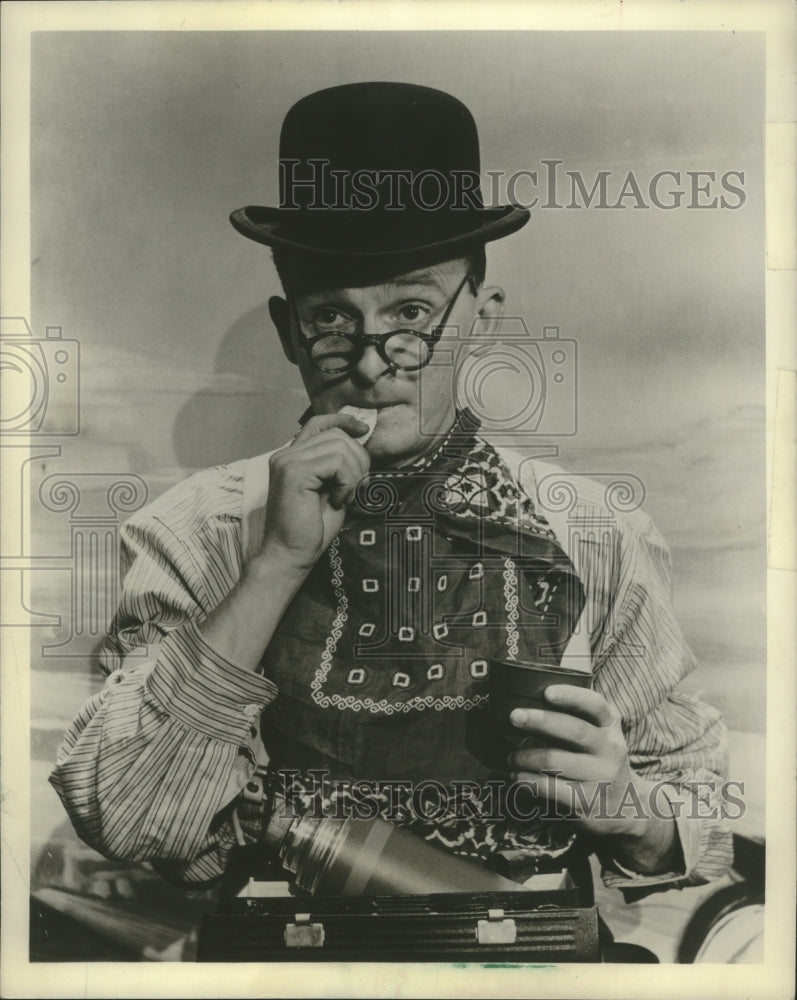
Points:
x=252, y=403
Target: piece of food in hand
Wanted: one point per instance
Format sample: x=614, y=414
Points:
x=367, y=415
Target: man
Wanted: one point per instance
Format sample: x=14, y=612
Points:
x=334, y=609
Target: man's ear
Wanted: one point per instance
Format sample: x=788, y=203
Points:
x=280, y=317
x=490, y=310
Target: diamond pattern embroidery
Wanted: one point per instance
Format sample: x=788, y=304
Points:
x=482, y=489
x=478, y=668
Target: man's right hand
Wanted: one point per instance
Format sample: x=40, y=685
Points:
x=310, y=483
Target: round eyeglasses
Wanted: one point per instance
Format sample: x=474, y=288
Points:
x=402, y=350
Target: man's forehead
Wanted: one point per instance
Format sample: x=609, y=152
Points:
x=427, y=276
x=434, y=277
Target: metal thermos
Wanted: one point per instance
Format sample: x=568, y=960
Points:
x=355, y=857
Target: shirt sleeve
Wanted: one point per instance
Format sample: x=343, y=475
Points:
x=152, y=764
x=674, y=739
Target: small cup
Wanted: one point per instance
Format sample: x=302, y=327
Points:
x=514, y=684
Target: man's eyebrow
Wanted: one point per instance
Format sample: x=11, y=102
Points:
x=427, y=278
x=333, y=299
x=335, y=296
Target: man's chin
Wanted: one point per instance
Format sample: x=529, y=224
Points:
x=392, y=446
x=390, y=449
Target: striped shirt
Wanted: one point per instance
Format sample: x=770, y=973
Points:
x=155, y=763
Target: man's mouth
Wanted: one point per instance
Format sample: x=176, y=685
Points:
x=379, y=407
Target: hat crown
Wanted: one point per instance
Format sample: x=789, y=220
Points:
x=383, y=127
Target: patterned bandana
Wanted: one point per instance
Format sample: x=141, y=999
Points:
x=382, y=659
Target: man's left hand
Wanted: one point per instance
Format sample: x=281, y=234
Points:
x=579, y=742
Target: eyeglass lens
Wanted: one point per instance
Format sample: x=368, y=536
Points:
x=404, y=349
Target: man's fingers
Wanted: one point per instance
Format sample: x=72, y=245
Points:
x=572, y=766
x=583, y=702
x=329, y=462
x=332, y=438
x=547, y=786
x=326, y=421
x=333, y=471
x=558, y=726
x=348, y=451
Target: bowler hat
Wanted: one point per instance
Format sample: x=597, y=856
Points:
x=378, y=170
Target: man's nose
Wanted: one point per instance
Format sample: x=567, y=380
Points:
x=371, y=366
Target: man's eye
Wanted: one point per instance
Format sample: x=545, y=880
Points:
x=412, y=312
x=327, y=317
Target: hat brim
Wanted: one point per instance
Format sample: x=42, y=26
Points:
x=262, y=224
